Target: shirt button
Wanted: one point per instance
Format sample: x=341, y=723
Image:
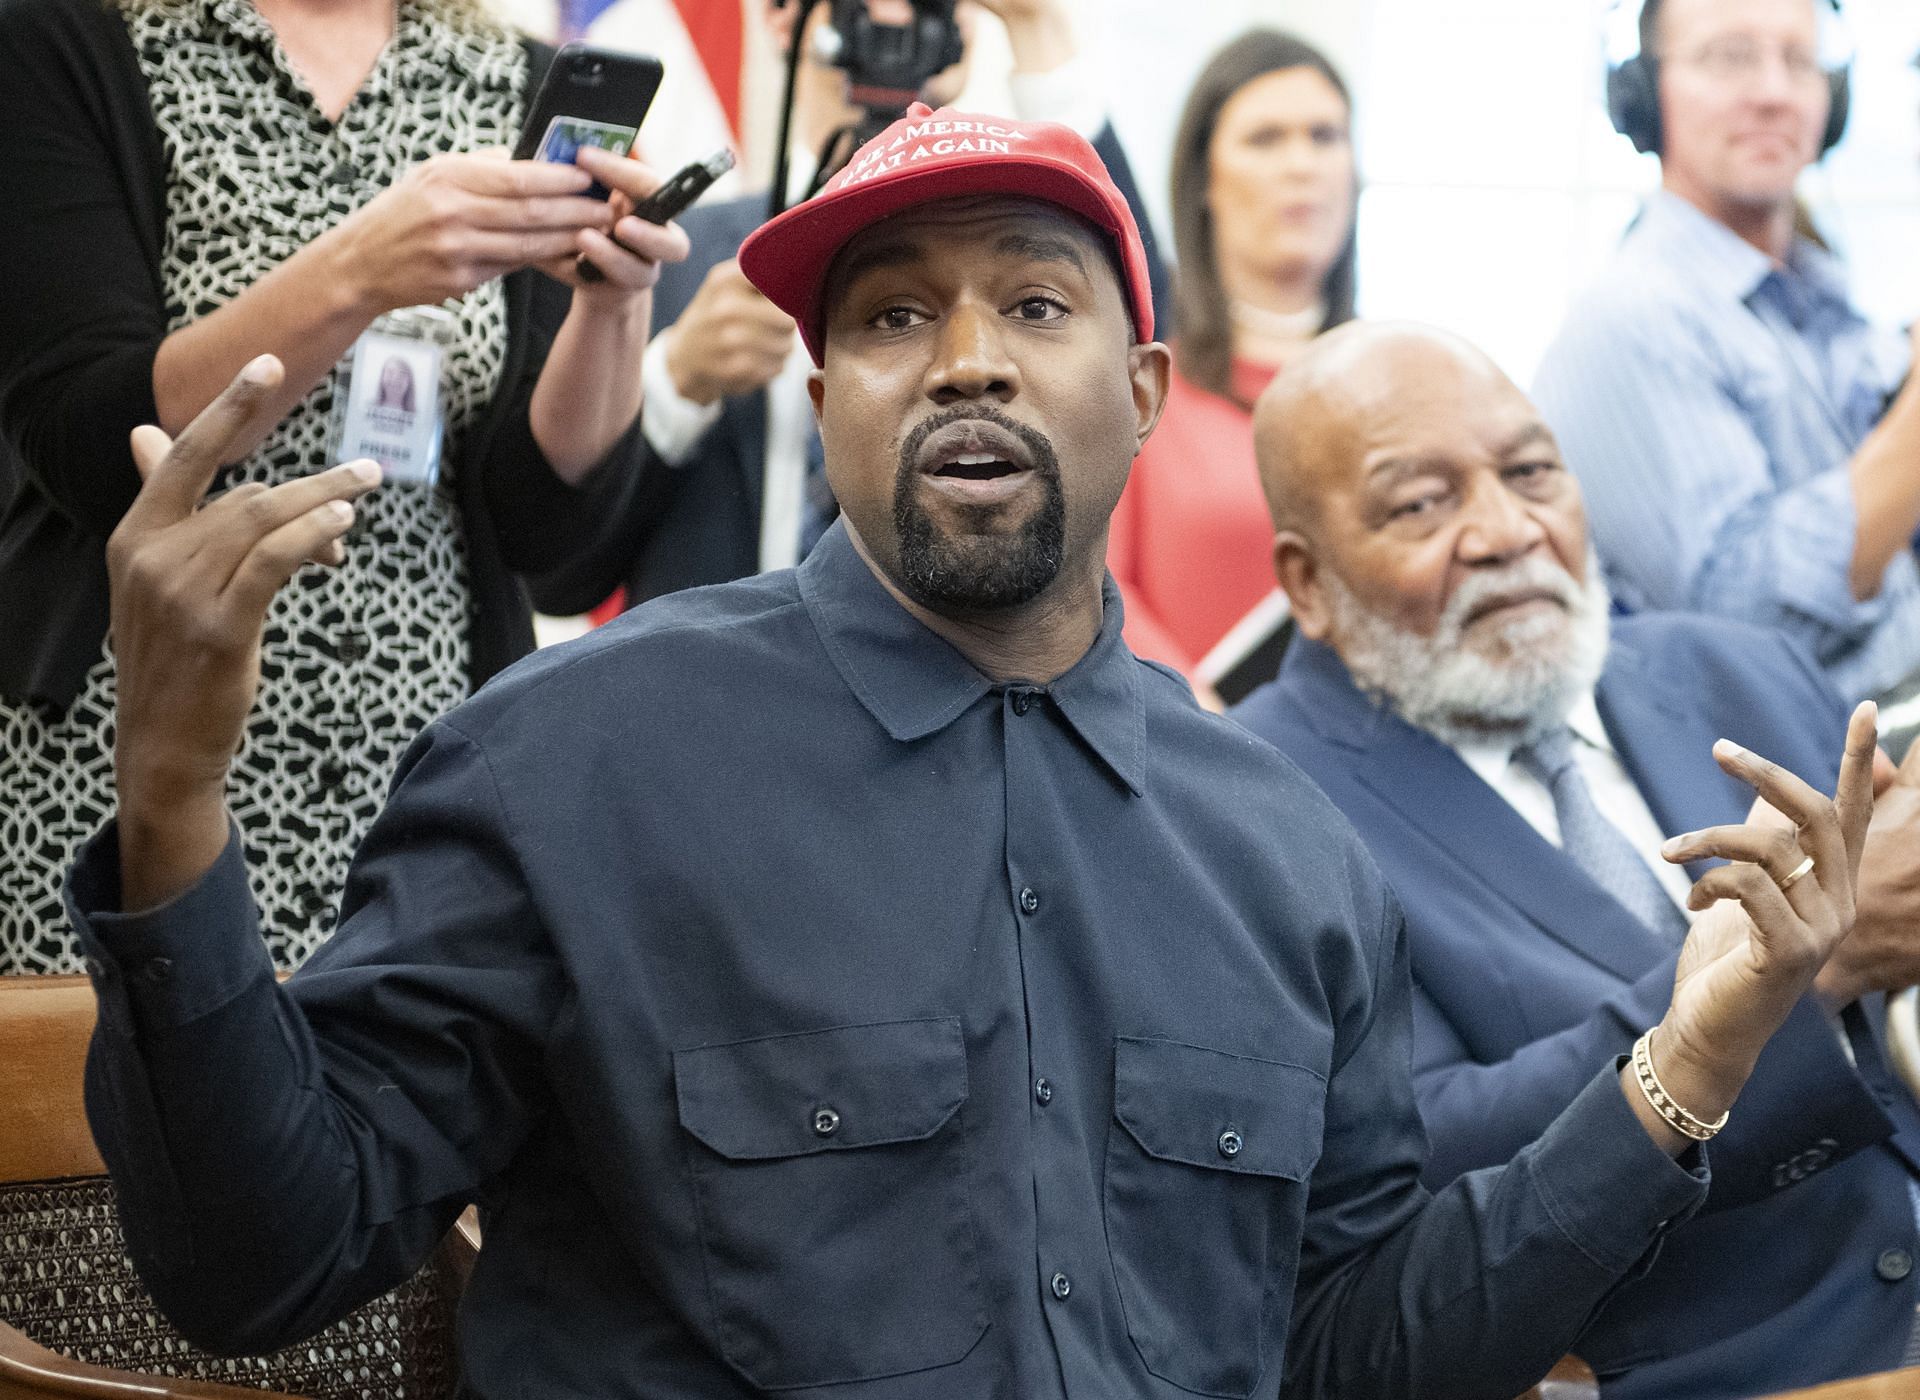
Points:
x=345, y=173
x=159, y=970
x=826, y=1122
x=1230, y=1143
x=332, y=773
x=1042, y=1092
x=1029, y=901
x=1061, y=1285
x=1893, y=1265
x=1022, y=701
x=351, y=646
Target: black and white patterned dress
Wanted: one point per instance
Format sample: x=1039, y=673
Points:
x=356, y=661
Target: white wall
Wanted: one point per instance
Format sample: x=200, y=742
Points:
x=1495, y=186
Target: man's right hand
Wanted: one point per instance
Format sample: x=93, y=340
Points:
x=1790, y=897
x=191, y=581
x=729, y=340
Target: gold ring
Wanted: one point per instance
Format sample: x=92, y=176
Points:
x=1795, y=874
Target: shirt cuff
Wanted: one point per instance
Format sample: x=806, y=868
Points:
x=1815, y=555
x=1609, y=1187
x=165, y=967
x=673, y=424
x=1065, y=95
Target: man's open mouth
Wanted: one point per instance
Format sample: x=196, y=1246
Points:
x=976, y=467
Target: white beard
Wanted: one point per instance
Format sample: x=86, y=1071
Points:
x=1511, y=683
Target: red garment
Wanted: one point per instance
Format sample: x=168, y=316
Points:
x=1192, y=544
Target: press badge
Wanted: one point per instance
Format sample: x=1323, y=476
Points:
x=388, y=404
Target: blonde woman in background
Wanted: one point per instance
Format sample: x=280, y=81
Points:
x=186, y=184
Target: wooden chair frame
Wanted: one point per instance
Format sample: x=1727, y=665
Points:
x=43, y=1044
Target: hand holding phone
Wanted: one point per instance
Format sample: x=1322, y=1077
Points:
x=669, y=201
x=590, y=97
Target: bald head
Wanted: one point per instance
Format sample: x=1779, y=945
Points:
x=1364, y=385
x=1428, y=531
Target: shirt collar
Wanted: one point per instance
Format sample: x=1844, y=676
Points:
x=1709, y=254
x=914, y=683
x=1491, y=761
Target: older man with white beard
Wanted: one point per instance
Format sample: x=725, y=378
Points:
x=1515, y=758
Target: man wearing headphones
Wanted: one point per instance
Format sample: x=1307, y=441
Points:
x=1741, y=432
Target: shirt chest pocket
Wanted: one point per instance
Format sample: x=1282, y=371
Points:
x=830, y=1173
x=1208, y=1160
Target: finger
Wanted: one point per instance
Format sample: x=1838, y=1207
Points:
x=543, y=213
x=495, y=254
x=1884, y=771
x=519, y=179
x=1853, y=797
x=151, y=445
x=1776, y=849
x=1753, y=891
x=621, y=173
x=1813, y=814
x=275, y=557
x=236, y=523
x=660, y=243
x=616, y=264
x=176, y=482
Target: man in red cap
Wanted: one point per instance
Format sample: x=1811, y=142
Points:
x=868, y=979
x=731, y=480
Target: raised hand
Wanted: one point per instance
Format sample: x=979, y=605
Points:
x=629, y=252
x=1752, y=956
x=729, y=340
x=191, y=580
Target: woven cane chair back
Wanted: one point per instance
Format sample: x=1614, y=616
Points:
x=69, y=1293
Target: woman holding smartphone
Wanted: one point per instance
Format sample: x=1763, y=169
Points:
x=188, y=183
x=1264, y=196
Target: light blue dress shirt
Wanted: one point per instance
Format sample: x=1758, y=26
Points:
x=1710, y=401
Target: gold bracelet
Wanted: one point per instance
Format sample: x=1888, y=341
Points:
x=1671, y=1113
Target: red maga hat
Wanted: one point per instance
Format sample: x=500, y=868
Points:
x=929, y=155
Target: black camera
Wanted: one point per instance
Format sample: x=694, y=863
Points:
x=886, y=66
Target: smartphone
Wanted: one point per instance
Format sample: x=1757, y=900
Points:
x=670, y=200
x=590, y=97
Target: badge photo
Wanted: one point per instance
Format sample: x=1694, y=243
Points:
x=392, y=397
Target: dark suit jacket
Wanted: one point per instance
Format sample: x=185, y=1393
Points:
x=700, y=522
x=1527, y=975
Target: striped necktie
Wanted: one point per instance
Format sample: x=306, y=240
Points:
x=1598, y=846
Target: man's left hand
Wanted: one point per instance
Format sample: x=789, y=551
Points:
x=1750, y=959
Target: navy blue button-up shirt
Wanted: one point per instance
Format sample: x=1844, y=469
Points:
x=810, y=1013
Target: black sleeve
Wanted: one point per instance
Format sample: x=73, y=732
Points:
x=603, y=563
x=1107, y=145
x=380, y=1093
x=1478, y=1289
x=538, y=519
x=81, y=314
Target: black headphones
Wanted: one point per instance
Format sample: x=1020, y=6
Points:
x=1633, y=100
